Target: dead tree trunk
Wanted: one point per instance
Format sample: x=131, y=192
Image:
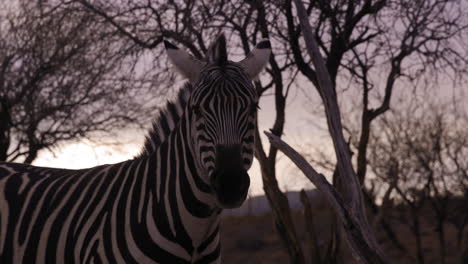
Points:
x=348, y=205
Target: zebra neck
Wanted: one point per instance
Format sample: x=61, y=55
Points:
x=180, y=192
x=183, y=160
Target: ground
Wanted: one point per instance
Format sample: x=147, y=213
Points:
x=253, y=239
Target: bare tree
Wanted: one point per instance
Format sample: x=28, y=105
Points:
x=417, y=152
x=64, y=74
x=372, y=48
x=375, y=44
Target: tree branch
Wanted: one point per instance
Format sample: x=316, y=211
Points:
x=353, y=226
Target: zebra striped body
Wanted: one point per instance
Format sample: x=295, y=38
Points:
x=161, y=207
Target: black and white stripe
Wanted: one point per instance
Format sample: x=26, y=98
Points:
x=161, y=207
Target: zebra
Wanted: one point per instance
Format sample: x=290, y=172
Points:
x=162, y=206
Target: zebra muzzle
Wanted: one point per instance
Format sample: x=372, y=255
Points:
x=230, y=181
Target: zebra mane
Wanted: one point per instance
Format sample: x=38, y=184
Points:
x=166, y=121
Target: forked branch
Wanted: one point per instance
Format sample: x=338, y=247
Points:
x=361, y=247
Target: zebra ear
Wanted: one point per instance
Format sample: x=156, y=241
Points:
x=217, y=53
x=257, y=59
x=186, y=64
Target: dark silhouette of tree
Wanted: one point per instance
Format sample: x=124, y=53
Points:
x=64, y=75
x=419, y=152
x=373, y=47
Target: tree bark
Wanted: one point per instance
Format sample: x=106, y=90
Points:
x=278, y=201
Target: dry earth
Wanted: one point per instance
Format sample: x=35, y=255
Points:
x=253, y=239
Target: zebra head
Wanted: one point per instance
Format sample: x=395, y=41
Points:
x=222, y=112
